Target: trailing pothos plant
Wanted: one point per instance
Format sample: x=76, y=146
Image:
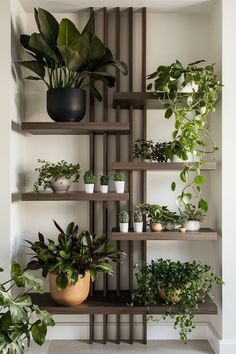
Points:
x=184, y=283
x=20, y=319
x=189, y=96
x=73, y=254
x=64, y=57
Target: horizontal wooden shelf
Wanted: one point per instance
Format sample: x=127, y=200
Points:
x=71, y=128
x=111, y=304
x=204, y=234
x=158, y=166
x=73, y=196
x=137, y=100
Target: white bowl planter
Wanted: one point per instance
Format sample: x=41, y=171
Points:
x=89, y=188
x=138, y=226
x=120, y=186
x=193, y=225
x=191, y=158
x=60, y=184
x=147, y=160
x=104, y=188
x=124, y=227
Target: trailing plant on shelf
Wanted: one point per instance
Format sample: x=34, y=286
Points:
x=189, y=95
x=20, y=318
x=186, y=284
x=119, y=179
x=74, y=256
x=89, y=181
x=124, y=221
x=56, y=176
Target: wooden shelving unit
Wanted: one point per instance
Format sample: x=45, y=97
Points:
x=74, y=196
x=137, y=100
x=204, y=234
x=111, y=304
x=64, y=128
x=158, y=166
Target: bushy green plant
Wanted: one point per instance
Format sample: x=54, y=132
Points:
x=149, y=150
x=89, y=177
x=155, y=213
x=191, y=212
x=50, y=170
x=119, y=176
x=20, y=319
x=193, y=281
x=73, y=254
x=104, y=180
x=65, y=57
x=123, y=217
x=138, y=216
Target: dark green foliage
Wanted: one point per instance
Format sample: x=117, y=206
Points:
x=158, y=214
x=119, y=176
x=104, y=180
x=89, y=177
x=148, y=150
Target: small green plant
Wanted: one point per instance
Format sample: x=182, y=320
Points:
x=191, y=212
x=89, y=177
x=138, y=216
x=104, y=180
x=20, y=319
x=192, y=281
x=155, y=213
x=143, y=149
x=123, y=217
x=50, y=170
x=75, y=253
x=119, y=176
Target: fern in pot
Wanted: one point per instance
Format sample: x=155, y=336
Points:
x=57, y=176
x=72, y=261
x=67, y=60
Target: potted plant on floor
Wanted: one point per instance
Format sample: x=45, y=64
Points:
x=104, y=181
x=138, y=221
x=72, y=261
x=124, y=221
x=119, y=179
x=20, y=319
x=56, y=176
x=89, y=181
x=194, y=217
x=67, y=61
x=171, y=282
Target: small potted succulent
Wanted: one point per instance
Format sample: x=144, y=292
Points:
x=20, y=319
x=175, y=282
x=72, y=261
x=57, y=176
x=89, y=181
x=119, y=179
x=124, y=221
x=194, y=217
x=138, y=221
x=104, y=181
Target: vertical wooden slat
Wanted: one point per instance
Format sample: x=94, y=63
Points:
x=130, y=60
x=144, y=129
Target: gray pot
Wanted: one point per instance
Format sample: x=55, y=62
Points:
x=60, y=184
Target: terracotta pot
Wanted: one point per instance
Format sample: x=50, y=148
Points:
x=72, y=294
x=173, y=297
x=156, y=227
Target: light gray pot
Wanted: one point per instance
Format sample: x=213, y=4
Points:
x=60, y=184
x=193, y=225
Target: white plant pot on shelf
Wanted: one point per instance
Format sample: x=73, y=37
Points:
x=147, y=160
x=89, y=188
x=104, y=188
x=191, y=158
x=187, y=88
x=120, y=186
x=138, y=226
x=193, y=225
x=124, y=227
x=60, y=184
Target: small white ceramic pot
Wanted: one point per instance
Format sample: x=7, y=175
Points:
x=138, y=226
x=120, y=186
x=89, y=188
x=182, y=229
x=191, y=158
x=147, y=160
x=170, y=226
x=156, y=227
x=104, y=188
x=60, y=184
x=124, y=227
x=192, y=225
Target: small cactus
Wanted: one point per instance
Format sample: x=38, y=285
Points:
x=123, y=217
x=138, y=216
x=119, y=176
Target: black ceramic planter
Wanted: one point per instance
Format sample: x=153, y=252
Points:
x=66, y=104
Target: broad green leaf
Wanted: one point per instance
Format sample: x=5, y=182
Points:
x=200, y=179
x=202, y=204
x=16, y=269
x=168, y=113
x=34, y=66
x=61, y=281
x=173, y=186
x=38, y=43
x=49, y=26
x=93, y=274
x=96, y=50
x=89, y=25
x=39, y=331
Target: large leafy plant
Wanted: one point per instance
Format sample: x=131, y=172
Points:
x=191, y=110
x=65, y=57
x=20, y=319
x=73, y=254
x=190, y=281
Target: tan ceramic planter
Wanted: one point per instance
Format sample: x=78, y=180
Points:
x=156, y=227
x=72, y=294
x=173, y=297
